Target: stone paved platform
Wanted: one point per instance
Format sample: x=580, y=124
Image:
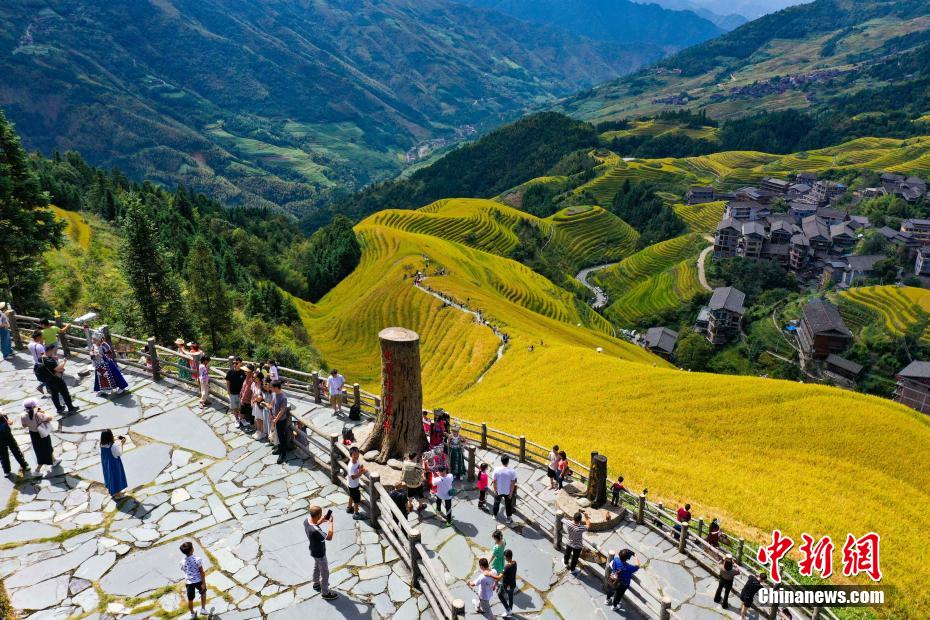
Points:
x=68, y=551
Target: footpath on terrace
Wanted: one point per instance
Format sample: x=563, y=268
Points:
x=68, y=551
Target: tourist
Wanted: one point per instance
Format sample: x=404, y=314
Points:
x=484, y=583
x=37, y=350
x=455, y=446
x=184, y=364
x=615, y=490
x=245, y=419
x=265, y=398
x=195, y=578
x=6, y=346
x=411, y=474
x=437, y=433
x=314, y=531
x=497, y=552
x=748, y=593
x=107, y=377
x=235, y=377
x=398, y=495
x=7, y=445
x=281, y=420
x=562, y=470
x=507, y=583
x=194, y=352
x=51, y=334
x=726, y=574
x=713, y=534
x=111, y=461
x=505, y=488
x=552, y=471
x=273, y=373
x=482, y=485
x=203, y=376
x=621, y=575
x=574, y=538
x=40, y=428
x=334, y=388
x=50, y=372
x=684, y=513
x=353, y=480
x=444, y=493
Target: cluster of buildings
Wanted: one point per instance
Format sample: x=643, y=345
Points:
x=811, y=237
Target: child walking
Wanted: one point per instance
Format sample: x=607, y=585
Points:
x=497, y=552
x=482, y=485
x=203, y=373
x=616, y=488
x=484, y=584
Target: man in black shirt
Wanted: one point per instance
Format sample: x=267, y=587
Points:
x=507, y=583
x=748, y=593
x=235, y=377
x=48, y=372
x=313, y=527
x=8, y=444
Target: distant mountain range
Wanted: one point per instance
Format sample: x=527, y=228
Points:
x=619, y=21
x=804, y=56
x=287, y=102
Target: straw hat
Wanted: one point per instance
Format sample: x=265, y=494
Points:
x=179, y=341
x=248, y=368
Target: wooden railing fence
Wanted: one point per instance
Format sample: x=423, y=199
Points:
x=162, y=362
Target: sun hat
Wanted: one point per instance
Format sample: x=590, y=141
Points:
x=179, y=341
x=248, y=368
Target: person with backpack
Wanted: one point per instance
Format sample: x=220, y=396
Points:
x=727, y=572
x=50, y=372
x=621, y=575
x=195, y=578
x=749, y=591
x=313, y=528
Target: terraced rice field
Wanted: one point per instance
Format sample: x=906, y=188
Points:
x=899, y=308
x=702, y=218
x=732, y=169
x=657, y=128
x=648, y=262
x=658, y=293
x=590, y=235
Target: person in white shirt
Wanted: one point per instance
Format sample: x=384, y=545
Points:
x=334, y=386
x=505, y=488
x=195, y=578
x=444, y=493
x=553, y=470
x=484, y=584
x=353, y=481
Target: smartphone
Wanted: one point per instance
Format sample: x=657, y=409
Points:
x=329, y=515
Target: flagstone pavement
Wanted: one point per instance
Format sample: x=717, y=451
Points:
x=67, y=550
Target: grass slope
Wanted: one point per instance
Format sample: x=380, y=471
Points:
x=733, y=169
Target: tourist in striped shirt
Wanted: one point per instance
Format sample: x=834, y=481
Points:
x=574, y=538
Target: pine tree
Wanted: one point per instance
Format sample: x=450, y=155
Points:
x=146, y=265
x=209, y=302
x=27, y=227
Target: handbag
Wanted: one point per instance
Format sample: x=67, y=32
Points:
x=613, y=579
x=45, y=429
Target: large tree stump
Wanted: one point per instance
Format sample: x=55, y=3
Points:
x=597, y=480
x=398, y=428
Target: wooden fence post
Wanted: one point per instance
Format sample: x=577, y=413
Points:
x=334, y=458
x=557, y=534
x=641, y=511
x=484, y=436
x=683, y=537
x=105, y=330
x=317, y=397
x=62, y=336
x=471, y=462
x=523, y=448
x=739, y=551
x=458, y=608
x=377, y=405
x=374, y=479
x=413, y=539
x=14, y=327
x=665, y=610
x=153, y=358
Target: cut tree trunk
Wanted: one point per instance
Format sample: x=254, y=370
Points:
x=398, y=429
x=597, y=480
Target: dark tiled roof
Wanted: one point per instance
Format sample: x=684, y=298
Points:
x=728, y=298
x=864, y=263
x=916, y=370
x=845, y=364
x=661, y=338
x=822, y=316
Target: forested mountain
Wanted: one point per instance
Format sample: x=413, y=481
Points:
x=621, y=21
x=276, y=102
x=802, y=57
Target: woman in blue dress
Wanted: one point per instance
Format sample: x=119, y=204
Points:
x=107, y=377
x=111, y=452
